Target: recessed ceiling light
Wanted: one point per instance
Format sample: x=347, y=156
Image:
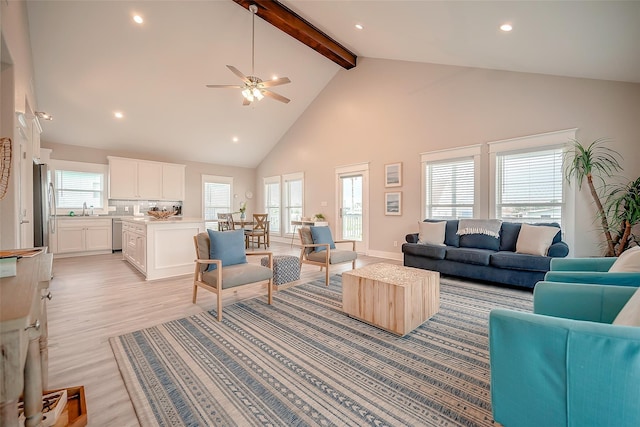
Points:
x=118, y=115
x=138, y=19
x=235, y=139
x=274, y=77
x=359, y=26
x=506, y=27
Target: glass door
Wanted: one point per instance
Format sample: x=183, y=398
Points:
x=352, y=208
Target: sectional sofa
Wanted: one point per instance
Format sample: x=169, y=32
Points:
x=488, y=250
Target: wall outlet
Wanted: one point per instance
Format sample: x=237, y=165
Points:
x=126, y=208
x=395, y=243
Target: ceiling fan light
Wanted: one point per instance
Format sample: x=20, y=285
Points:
x=247, y=94
x=257, y=93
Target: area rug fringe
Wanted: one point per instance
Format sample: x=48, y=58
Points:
x=301, y=362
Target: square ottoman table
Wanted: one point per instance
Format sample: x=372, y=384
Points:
x=392, y=297
x=286, y=268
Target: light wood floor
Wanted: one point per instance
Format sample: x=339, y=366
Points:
x=102, y=296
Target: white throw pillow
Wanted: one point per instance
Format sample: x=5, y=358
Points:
x=432, y=232
x=535, y=239
x=630, y=313
x=628, y=262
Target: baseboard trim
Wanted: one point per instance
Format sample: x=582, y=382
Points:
x=389, y=255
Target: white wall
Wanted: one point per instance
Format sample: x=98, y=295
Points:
x=386, y=111
x=17, y=95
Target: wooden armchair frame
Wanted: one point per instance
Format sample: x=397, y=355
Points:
x=201, y=266
x=327, y=252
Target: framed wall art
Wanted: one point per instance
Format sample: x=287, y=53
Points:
x=393, y=203
x=393, y=175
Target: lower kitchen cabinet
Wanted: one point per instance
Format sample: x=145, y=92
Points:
x=83, y=236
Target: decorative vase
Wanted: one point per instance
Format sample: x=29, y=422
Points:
x=243, y=216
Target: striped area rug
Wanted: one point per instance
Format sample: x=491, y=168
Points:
x=301, y=361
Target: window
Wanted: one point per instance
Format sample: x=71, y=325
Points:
x=272, y=203
x=527, y=181
x=216, y=198
x=78, y=184
x=293, y=189
x=450, y=178
x=529, y=185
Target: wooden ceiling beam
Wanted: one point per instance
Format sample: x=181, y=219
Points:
x=297, y=27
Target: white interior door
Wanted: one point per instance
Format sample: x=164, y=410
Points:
x=353, y=206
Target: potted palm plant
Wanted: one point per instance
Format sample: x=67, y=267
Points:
x=623, y=207
x=594, y=162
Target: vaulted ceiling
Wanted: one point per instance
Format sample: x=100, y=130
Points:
x=91, y=59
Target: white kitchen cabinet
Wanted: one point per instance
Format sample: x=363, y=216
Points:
x=134, y=245
x=83, y=236
x=146, y=180
x=160, y=248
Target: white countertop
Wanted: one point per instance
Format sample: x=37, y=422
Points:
x=171, y=219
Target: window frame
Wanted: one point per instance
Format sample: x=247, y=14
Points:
x=450, y=156
x=71, y=166
x=533, y=143
x=271, y=180
x=215, y=179
x=287, y=179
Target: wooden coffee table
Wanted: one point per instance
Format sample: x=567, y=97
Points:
x=392, y=297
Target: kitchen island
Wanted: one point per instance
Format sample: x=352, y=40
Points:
x=160, y=248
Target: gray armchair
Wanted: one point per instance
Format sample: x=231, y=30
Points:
x=318, y=248
x=229, y=274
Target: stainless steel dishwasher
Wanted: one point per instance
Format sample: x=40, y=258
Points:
x=116, y=236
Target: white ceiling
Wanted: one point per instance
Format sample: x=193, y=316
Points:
x=91, y=59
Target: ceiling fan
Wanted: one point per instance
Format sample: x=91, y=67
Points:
x=254, y=88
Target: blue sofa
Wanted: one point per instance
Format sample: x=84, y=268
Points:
x=566, y=365
x=482, y=257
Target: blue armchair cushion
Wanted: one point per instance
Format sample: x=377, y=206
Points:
x=228, y=247
x=322, y=234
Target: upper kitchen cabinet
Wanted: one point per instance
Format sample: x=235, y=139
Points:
x=147, y=180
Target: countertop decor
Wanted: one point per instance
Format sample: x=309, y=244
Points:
x=161, y=214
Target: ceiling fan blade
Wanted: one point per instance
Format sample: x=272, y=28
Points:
x=245, y=102
x=276, y=82
x=238, y=73
x=275, y=96
x=226, y=86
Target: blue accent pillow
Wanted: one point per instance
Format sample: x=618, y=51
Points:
x=322, y=234
x=227, y=246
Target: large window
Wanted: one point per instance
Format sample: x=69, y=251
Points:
x=450, y=178
x=527, y=182
x=78, y=184
x=272, y=203
x=529, y=185
x=293, y=189
x=216, y=198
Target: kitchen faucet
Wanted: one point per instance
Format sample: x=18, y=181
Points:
x=84, y=208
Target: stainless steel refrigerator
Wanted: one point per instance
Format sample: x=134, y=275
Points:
x=44, y=205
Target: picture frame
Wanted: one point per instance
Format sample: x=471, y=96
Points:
x=393, y=175
x=393, y=203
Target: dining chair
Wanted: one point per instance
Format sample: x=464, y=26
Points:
x=259, y=232
x=225, y=222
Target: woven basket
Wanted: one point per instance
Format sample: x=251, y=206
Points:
x=161, y=214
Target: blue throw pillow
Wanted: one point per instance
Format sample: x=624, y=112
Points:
x=322, y=234
x=227, y=246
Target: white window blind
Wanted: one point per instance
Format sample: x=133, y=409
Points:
x=294, y=196
x=74, y=188
x=529, y=185
x=450, y=188
x=272, y=203
x=216, y=198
